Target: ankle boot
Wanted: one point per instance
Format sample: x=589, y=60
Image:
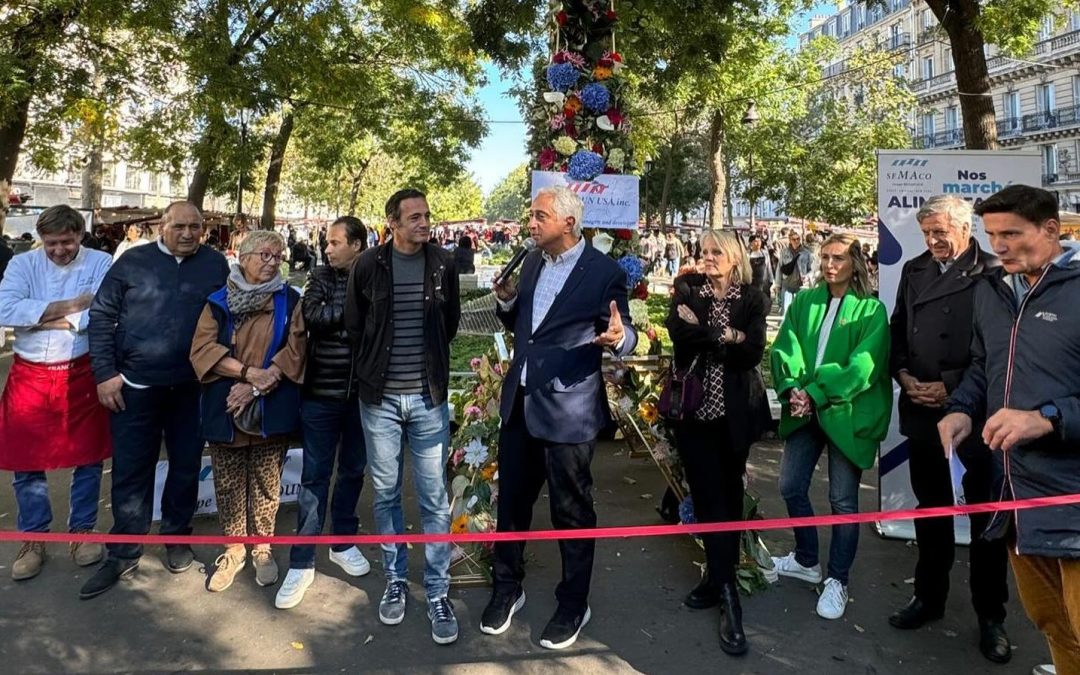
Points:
x=704, y=595
x=732, y=637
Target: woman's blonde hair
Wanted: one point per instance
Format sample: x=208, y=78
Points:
x=860, y=274
x=733, y=248
x=256, y=238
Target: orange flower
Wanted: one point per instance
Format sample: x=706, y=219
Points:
x=460, y=524
x=573, y=103
x=648, y=412
x=601, y=73
x=489, y=471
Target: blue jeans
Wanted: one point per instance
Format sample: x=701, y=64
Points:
x=426, y=427
x=329, y=427
x=787, y=296
x=35, y=511
x=801, y=453
x=672, y=266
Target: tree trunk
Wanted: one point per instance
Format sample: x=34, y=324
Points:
x=665, y=194
x=354, y=186
x=200, y=181
x=729, y=200
x=959, y=19
x=273, y=171
x=27, y=46
x=91, y=178
x=718, y=187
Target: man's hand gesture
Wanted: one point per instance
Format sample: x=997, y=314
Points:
x=615, y=332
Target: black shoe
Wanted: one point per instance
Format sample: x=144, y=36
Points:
x=110, y=572
x=500, y=610
x=178, y=558
x=564, y=627
x=732, y=636
x=705, y=595
x=915, y=614
x=994, y=641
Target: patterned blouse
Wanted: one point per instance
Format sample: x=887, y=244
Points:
x=712, y=408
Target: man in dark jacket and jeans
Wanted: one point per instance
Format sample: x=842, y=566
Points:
x=141, y=324
x=931, y=347
x=1025, y=378
x=401, y=312
x=330, y=415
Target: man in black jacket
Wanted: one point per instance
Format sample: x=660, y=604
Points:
x=1025, y=379
x=141, y=324
x=330, y=415
x=401, y=313
x=931, y=347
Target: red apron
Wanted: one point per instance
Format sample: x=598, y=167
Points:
x=50, y=417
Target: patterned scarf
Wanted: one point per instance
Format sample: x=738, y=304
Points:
x=713, y=408
x=245, y=298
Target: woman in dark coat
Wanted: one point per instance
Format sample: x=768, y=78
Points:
x=717, y=326
x=464, y=256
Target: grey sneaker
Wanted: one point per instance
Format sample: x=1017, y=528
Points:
x=444, y=628
x=266, y=569
x=392, y=605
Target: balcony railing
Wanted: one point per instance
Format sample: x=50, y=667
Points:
x=941, y=139
x=898, y=41
x=1063, y=177
x=1051, y=119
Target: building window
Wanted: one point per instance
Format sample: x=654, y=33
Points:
x=900, y=71
x=845, y=24
x=926, y=19
x=951, y=118
x=1074, y=19
x=928, y=67
x=1044, y=97
x=949, y=60
x=131, y=178
x=927, y=124
x=1012, y=108
x=108, y=174
x=1050, y=159
x=1047, y=27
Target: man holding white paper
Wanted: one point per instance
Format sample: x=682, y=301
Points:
x=931, y=338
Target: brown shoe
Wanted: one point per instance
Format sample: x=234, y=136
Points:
x=84, y=553
x=226, y=567
x=28, y=562
x=266, y=570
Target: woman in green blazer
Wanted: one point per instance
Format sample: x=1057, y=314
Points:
x=830, y=363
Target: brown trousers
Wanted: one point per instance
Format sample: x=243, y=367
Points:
x=247, y=485
x=1049, y=589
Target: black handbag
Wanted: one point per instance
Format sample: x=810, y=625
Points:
x=681, y=394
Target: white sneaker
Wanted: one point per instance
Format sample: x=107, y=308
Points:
x=833, y=600
x=293, y=588
x=789, y=567
x=352, y=561
x=1044, y=669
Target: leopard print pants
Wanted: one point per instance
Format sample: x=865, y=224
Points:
x=247, y=484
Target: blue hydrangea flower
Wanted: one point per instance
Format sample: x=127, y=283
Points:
x=585, y=165
x=686, y=511
x=562, y=76
x=635, y=271
x=596, y=97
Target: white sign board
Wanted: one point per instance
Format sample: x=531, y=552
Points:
x=611, y=200
x=906, y=179
x=207, y=504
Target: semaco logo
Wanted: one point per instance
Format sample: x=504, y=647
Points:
x=910, y=161
x=1047, y=316
x=587, y=188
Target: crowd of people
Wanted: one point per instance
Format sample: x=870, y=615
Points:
x=170, y=341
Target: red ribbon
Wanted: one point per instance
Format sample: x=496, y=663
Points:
x=625, y=532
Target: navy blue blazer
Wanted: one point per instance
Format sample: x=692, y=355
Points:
x=564, y=391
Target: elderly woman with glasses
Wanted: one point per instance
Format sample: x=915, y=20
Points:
x=248, y=352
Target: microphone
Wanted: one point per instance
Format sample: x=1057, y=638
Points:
x=515, y=262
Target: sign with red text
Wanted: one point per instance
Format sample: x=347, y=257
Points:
x=611, y=200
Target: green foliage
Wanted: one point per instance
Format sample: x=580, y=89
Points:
x=460, y=200
x=509, y=198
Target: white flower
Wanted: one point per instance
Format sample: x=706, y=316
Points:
x=626, y=404
x=602, y=242
x=476, y=453
x=604, y=122
x=471, y=503
x=556, y=97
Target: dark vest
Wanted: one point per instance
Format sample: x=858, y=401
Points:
x=280, y=408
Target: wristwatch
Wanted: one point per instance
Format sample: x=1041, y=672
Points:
x=256, y=392
x=1052, y=413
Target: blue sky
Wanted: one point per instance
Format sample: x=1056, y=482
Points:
x=504, y=146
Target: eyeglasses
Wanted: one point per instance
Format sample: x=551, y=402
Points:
x=267, y=256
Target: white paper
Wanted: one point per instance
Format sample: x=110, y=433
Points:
x=956, y=472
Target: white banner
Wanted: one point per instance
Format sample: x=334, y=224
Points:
x=207, y=504
x=611, y=200
x=906, y=179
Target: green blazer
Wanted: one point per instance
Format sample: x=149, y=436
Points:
x=851, y=388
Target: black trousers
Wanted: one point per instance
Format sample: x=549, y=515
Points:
x=525, y=463
x=989, y=560
x=715, y=474
x=149, y=415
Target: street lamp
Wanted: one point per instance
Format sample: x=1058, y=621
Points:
x=749, y=119
x=648, y=169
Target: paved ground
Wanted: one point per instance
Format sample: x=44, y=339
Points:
x=159, y=622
